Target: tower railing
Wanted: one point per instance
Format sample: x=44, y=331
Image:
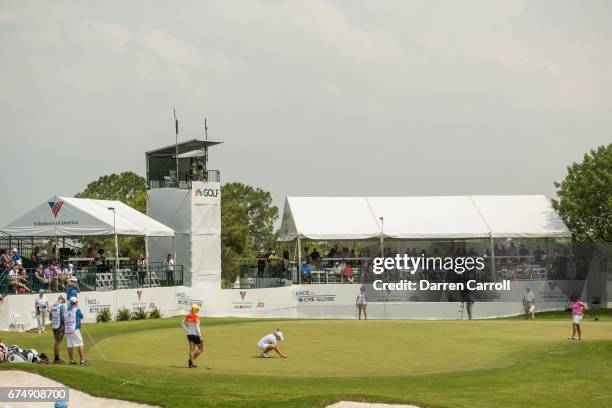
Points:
x=169, y=179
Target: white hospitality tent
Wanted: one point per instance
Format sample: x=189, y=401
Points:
x=435, y=217
x=75, y=217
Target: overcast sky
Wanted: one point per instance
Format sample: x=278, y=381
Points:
x=311, y=97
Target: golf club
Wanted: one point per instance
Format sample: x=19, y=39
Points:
x=95, y=344
x=208, y=367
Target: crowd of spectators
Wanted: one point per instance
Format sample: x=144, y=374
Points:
x=49, y=275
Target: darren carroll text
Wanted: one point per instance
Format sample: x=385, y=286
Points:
x=424, y=284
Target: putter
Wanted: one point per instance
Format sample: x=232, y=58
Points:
x=95, y=344
x=206, y=361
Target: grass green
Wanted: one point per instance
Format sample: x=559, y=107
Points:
x=484, y=363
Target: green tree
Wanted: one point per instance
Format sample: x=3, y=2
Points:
x=247, y=222
x=585, y=196
x=129, y=188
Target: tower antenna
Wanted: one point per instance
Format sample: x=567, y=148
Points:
x=177, y=150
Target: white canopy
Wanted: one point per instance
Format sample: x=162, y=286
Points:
x=71, y=217
x=442, y=217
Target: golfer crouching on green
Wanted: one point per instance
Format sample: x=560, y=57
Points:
x=269, y=343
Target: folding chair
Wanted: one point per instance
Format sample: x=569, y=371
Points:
x=18, y=322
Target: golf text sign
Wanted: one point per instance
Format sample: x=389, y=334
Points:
x=206, y=193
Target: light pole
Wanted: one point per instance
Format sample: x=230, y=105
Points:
x=382, y=237
x=116, y=238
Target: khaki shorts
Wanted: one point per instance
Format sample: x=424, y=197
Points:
x=74, y=339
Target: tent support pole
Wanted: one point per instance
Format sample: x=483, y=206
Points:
x=493, y=276
x=299, y=257
x=147, y=251
x=174, y=249
x=56, y=245
x=116, y=251
x=382, y=237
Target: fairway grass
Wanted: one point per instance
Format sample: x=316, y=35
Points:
x=484, y=363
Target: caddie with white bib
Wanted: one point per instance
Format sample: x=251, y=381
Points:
x=72, y=327
x=57, y=324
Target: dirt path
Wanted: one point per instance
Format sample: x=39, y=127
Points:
x=78, y=399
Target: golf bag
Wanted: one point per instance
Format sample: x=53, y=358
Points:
x=16, y=354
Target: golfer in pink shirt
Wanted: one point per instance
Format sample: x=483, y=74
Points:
x=578, y=307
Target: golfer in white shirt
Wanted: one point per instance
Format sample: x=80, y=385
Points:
x=529, y=304
x=269, y=343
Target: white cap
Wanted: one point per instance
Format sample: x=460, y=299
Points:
x=279, y=334
x=73, y=299
x=73, y=279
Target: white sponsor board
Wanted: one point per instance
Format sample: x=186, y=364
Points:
x=297, y=301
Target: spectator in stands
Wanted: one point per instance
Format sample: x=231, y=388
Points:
x=315, y=257
x=286, y=262
x=100, y=261
x=305, y=272
x=348, y=273
x=524, y=253
x=538, y=255
x=34, y=256
x=15, y=256
x=472, y=252
x=272, y=258
x=16, y=281
x=23, y=274
x=6, y=260
x=49, y=274
x=142, y=270
x=305, y=255
x=261, y=263
x=513, y=252
x=41, y=307
x=91, y=254
x=67, y=274
x=72, y=327
x=72, y=287
x=39, y=277
x=337, y=270
x=332, y=252
x=169, y=264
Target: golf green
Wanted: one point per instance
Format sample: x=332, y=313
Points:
x=502, y=363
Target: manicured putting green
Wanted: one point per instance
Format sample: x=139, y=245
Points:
x=501, y=363
x=347, y=348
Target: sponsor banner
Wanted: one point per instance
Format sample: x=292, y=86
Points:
x=311, y=296
x=184, y=300
x=203, y=193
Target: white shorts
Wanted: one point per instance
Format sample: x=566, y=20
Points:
x=74, y=339
x=576, y=319
x=262, y=346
